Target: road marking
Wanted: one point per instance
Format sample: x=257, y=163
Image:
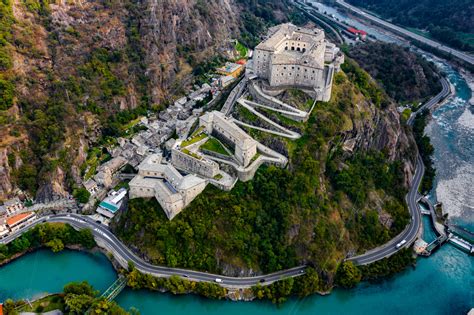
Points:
x=102, y=233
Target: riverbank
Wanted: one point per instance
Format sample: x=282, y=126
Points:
x=448, y=269
x=469, y=78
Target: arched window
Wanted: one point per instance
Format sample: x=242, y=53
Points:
x=298, y=49
x=292, y=48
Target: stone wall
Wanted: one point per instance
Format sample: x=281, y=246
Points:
x=190, y=164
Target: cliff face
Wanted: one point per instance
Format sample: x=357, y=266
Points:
x=381, y=130
x=176, y=30
x=405, y=76
x=76, y=63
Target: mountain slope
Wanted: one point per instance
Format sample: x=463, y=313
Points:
x=342, y=193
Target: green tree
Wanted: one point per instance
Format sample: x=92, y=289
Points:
x=7, y=93
x=56, y=245
x=79, y=288
x=82, y=195
x=347, y=275
x=307, y=284
x=77, y=303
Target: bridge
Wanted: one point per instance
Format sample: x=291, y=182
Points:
x=123, y=255
x=461, y=243
x=115, y=288
x=458, y=236
x=461, y=238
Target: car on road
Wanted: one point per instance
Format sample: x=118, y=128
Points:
x=186, y=276
x=218, y=280
x=262, y=280
x=401, y=243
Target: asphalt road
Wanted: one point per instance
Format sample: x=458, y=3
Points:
x=432, y=102
x=122, y=253
x=461, y=55
x=311, y=12
x=411, y=231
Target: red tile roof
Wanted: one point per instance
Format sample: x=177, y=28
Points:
x=17, y=218
x=1, y=309
x=356, y=31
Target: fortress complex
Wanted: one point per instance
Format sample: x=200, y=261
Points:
x=293, y=56
x=223, y=128
x=172, y=190
x=216, y=124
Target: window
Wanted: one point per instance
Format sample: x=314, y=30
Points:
x=292, y=68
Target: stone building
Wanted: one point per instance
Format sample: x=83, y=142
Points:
x=172, y=190
x=217, y=124
x=194, y=164
x=294, y=56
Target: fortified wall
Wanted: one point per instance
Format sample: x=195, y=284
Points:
x=295, y=56
x=172, y=190
x=245, y=146
x=188, y=163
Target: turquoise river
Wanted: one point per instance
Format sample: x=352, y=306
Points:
x=440, y=284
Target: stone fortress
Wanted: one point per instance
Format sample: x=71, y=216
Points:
x=162, y=181
x=219, y=151
x=293, y=56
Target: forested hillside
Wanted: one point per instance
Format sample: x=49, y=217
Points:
x=329, y=202
x=449, y=21
x=73, y=74
x=404, y=75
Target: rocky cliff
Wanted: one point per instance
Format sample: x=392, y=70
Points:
x=76, y=64
x=74, y=59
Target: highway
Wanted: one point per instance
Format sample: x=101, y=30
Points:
x=461, y=55
x=309, y=11
x=123, y=255
x=410, y=232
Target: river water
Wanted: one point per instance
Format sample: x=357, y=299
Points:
x=440, y=284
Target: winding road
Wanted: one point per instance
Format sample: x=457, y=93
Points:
x=404, y=32
x=123, y=255
x=409, y=234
